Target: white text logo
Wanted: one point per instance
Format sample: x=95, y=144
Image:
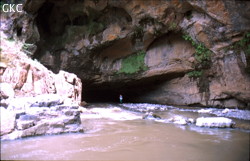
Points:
x=12, y=7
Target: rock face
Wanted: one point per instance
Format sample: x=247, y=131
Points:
x=34, y=100
x=22, y=76
x=40, y=115
x=124, y=46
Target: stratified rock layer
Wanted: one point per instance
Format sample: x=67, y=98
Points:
x=40, y=115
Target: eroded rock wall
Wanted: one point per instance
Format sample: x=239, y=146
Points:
x=98, y=39
x=23, y=77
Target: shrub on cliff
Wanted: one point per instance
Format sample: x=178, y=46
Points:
x=202, y=56
x=133, y=63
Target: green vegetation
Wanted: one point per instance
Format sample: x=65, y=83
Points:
x=202, y=56
x=195, y=74
x=243, y=45
x=11, y=39
x=28, y=48
x=172, y=26
x=133, y=63
x=138, y=32
x=94, y=27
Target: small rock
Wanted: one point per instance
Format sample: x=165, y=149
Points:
x=19, y=113
x=150, y=115
x=6, y=91
x=73, y=128
x=4, y=103
x=7, y=121
x=221, y=122
x=21, y=125
x=70, y=120
x=225, y=110
x=83, y=103
x=178, y=120
x=191, y=121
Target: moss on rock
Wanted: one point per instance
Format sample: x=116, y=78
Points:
x=133, y=63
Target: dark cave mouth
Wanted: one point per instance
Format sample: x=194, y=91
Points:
x=111, y=92
x=111, y=95
x=108, y=95
x=137, y=91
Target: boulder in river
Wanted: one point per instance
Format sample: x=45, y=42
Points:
x=178, y=120
x=221, y=122
x=150, y=116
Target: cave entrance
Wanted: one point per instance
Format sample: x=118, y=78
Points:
x=110, y=92
x=104, y=95
x=148, y=90
x=112, y=95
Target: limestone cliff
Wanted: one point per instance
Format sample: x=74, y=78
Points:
x=21, y=76
x=161, y=51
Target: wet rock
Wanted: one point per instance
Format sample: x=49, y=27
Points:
x=191, y=121
x=73, y=128
x=7, y=121
x=47, y=100
x=19, y=113
x=150, y=116
x=221, y=122
x=70, y=120
x=39, y=129
x=28, y=117
x=178, y=120
x=22, y=125
x=39, y=121
x=83, y=103
x=225, y=111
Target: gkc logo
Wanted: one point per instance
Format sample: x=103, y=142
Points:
x=12, y=8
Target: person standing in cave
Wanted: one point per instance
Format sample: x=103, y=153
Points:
x=120, y=98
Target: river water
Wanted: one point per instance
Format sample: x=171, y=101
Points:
x=118, y=132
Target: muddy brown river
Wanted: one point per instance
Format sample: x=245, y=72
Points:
x=115, y=133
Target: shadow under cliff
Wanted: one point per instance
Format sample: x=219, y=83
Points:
x=134, y=92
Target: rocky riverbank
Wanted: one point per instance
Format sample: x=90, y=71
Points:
x=40, y=115
x=34, y=100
